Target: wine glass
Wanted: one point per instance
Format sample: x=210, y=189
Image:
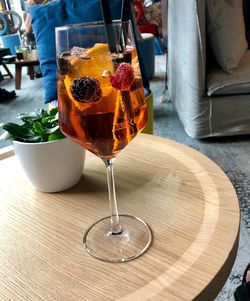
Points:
x=102, y=107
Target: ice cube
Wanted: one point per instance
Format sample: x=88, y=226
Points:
x=78, y=51
x=106, y=73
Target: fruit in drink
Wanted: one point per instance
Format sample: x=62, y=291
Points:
x=123, y=77
x=101, y=98
x=86, y=89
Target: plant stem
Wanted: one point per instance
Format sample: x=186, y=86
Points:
x=114, y=217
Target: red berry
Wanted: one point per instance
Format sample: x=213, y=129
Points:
x=123, y=77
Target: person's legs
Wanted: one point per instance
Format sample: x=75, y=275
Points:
x=242, y=293
x=246, y=275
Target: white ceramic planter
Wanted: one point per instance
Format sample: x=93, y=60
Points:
x=51, y=166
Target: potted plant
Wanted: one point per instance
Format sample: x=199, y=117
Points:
x=51, y=161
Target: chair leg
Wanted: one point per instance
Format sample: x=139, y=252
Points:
x=18, y=77
x=7, y=70
x=31, y=72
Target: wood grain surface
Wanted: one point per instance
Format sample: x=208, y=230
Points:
x=187, y=200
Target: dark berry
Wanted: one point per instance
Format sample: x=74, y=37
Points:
x=86, y=89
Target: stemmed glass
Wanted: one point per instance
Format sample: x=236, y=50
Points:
x=102, y=107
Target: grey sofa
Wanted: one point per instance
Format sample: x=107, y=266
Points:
x=208, y=101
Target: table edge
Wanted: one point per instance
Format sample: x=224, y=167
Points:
x=6, y=152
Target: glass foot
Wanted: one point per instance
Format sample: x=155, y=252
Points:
x=134, y=239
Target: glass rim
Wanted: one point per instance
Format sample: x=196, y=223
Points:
x=89, y=24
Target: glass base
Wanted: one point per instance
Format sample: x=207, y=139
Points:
x=133, y=241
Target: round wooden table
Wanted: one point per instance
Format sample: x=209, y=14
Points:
x=187, y=200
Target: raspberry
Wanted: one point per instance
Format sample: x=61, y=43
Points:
x=123, y=77
x=86, y=89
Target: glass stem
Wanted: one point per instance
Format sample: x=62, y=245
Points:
x=114, y=217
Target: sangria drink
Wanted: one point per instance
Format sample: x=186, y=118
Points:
x=101, y=98
x=102, y=107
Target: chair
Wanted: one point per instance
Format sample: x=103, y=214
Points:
x=4, y=52
x=11, y=41
x=193, y=72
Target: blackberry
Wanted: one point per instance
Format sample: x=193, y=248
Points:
x=86, y=89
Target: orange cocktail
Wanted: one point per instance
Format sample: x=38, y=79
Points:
x=102, y=107
x=101, y=98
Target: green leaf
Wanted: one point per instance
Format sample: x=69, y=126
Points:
x=49, y=119
x=29, y=117
x=15, y=129
x=52, y=129
x=56, y=135
x=18, y=132
x=37, y=126
x=53, y=111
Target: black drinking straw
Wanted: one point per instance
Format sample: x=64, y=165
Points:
x=126, y=10
x=108, y=25
x=128, y=15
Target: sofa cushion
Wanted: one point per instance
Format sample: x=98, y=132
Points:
x=221, y=83
x=226, y=32
x=45, y=18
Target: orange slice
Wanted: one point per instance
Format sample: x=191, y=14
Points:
x=98, y=49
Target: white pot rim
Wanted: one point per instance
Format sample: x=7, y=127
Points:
x=39, y=143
